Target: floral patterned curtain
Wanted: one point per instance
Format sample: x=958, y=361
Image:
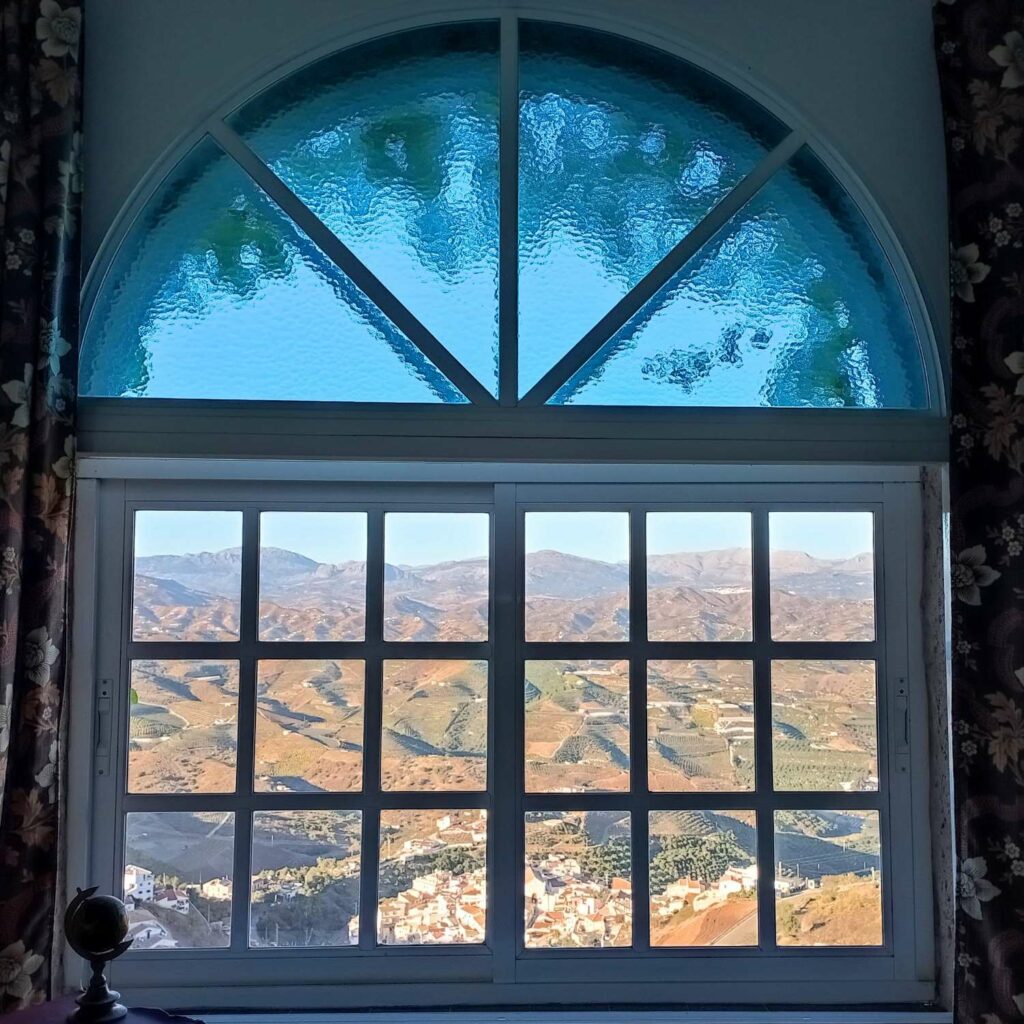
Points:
x=981, y=65
x=40, y=186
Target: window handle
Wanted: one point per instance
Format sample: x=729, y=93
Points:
x=902, y=719
x=101, y=751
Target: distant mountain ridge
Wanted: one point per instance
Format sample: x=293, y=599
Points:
x=301, y=598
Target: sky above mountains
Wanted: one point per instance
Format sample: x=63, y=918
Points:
x=424, y=538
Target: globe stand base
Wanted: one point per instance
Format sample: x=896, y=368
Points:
x=98, y=1004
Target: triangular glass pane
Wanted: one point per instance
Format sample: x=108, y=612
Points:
x=793, y=304
x=394, y=146
x=216, y=294
x=622, y=150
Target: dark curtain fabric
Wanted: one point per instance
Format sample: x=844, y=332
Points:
x=980, y=47
x=40, y=186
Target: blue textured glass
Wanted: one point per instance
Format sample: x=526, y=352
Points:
x=394, y=146
x=793, y=304
x=622, y=150
x=216, y=294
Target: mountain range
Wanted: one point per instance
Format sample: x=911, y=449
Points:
x=691, y=596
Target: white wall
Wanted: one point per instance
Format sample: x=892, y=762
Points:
x=858, y=73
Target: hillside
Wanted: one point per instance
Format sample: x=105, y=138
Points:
x=309, y=713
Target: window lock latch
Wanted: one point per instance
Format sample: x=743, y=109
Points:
x=101, y=751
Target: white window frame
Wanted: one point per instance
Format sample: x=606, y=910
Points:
x=902, y=971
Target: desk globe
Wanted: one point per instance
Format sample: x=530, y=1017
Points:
x=96, y=927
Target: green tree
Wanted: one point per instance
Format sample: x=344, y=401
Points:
x=704, y=858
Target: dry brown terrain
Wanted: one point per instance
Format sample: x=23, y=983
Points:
x=720, y=925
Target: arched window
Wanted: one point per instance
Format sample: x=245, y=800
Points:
x=362, y=232
x=558, y=716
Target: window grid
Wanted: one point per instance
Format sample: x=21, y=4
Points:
x=764, y=799
x=505, y=514
x=249, y=650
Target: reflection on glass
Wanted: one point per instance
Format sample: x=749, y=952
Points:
x=703, y=871
x=394, y=146
x=828, y=883
x=435, y=726
x=182, y=726
x=822, y=575
x=700, y=726
x=177, y=878
x=698, y=576
x=576, y=726
x=432, y=886
x=577, y=576
x=436, y=575
x=312, y=575
x=793, y=304
x=622, y=150
x=304, y=889
x=309, y=726
x=824, y=731
x=215, y=293
x=188, y=578
x=578, y=888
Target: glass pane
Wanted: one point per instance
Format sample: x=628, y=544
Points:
x=824, y=728
x=828, y=886
x=698, y=576
x=394, y=146
x=312, y=575
x=822, y=575
x=216, y=294
x=579, y=889
x=700, y=726
x=436, y=575
x=182, y=726
x=304, y=889
x=188, y=575
x=433, y=877
x=577, y=576
x=177, y=878
x=793, y=304
x=435, y=726
x=577, y=726
x=622, y=150
x=309, y=726
x=703, y=868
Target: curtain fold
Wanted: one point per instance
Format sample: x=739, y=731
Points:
x=980, y=51
x=40, y=191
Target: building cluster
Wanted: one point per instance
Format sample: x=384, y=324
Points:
x=697, y=896
x=439, y=908
x=142, y=894
x=564, y=907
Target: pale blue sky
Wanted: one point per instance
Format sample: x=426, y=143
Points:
x=323, y=536
x=424, y=538
x=181, y=533
x=600, y=535
x=669, y=532
x=822, y=534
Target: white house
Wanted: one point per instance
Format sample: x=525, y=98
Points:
x=138, y=882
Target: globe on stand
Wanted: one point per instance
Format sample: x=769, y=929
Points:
x=95, y=927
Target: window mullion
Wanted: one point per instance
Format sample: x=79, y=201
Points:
x=349, y=264
x=505, y=770
x=248, y=628
x=763, y=772
x=656, y=278
x=372, y=718
x=508, y=230
x=638, y=727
